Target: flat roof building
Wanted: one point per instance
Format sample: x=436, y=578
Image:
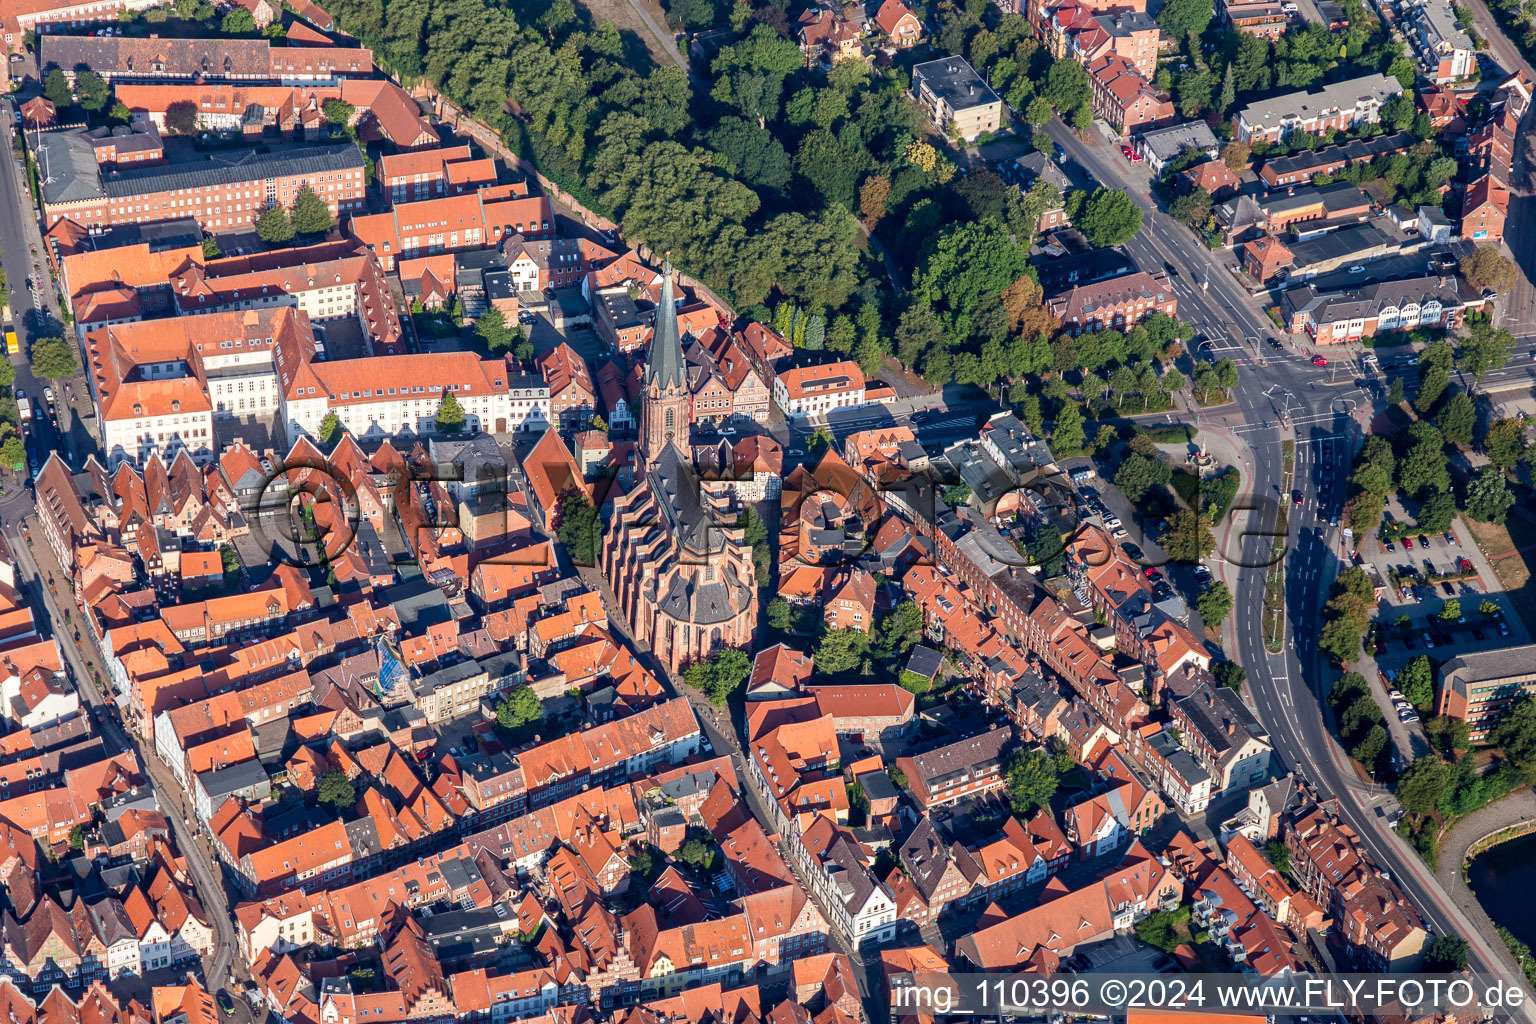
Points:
x=1476, y=687
x=1341, y=105
x=956, y=96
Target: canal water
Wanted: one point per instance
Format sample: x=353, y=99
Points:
x=1503, y=879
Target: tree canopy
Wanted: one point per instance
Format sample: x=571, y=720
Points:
x=336, y=791
x=720, y=675
x=450, y=414
x=54, y=359
x=1109, y=217
x=310, y=214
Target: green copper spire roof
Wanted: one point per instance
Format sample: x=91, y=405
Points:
x=664, y=365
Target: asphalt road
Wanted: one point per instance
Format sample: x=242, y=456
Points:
x=30, y=314
x=49, y=609
x=1283, y=396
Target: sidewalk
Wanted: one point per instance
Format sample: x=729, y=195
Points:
x=1512, y=810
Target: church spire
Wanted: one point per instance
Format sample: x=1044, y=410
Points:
x=664, y=364
x=664, y=414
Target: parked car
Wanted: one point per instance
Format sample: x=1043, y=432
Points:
x=1408, y=543
x=1429, y=641
x=1450, y=538
x=1503, y=629
x=1424, y=541
x=1133, y=552
x=1445, y=585
x=1463, y=563
x=1477, y=634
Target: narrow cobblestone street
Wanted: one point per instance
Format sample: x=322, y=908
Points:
x=37, y=564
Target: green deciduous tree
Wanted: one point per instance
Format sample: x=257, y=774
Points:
x=1109, y=217
x=274, y=226
x=899, y=629
x=1457, y=419
x=1421, y=785
x=967, y=263
x=1214, y=603
x=336, y=791
x=1446, y=952
x=719, y=676
x=492, y=328
x=841, y=650
x=53, y=359
x=1488, y=267
x=579, y=530
x=1187, y=536
x=1184, y=18
x=1371, y=746
x=56, y=89
x=1032, y=781
x=13, y=453
x=1423, y=466
x=1067, y=86
x=1505, y=443
x=1488, y=496
x=1417, y=681
x=450, y=414
x=1437, y=512
x=1516, y=732
x=93, y=91
x=1229, y=674
x=1138, y=475
x=331, y=428
x=1486, y=349
x=310, y=214
x=1067, y=432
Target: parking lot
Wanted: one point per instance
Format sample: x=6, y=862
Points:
x=1124, y=955
x=1408, y=617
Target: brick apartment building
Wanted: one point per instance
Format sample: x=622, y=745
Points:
x=224, y=193
x=572, y=398
x=431, y=173
x=1124, y=98
x=1117, y=303
x=207, y=60
x=1476, y=688
x=1284, y=171
x=1483, y=210
x=452, y=224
